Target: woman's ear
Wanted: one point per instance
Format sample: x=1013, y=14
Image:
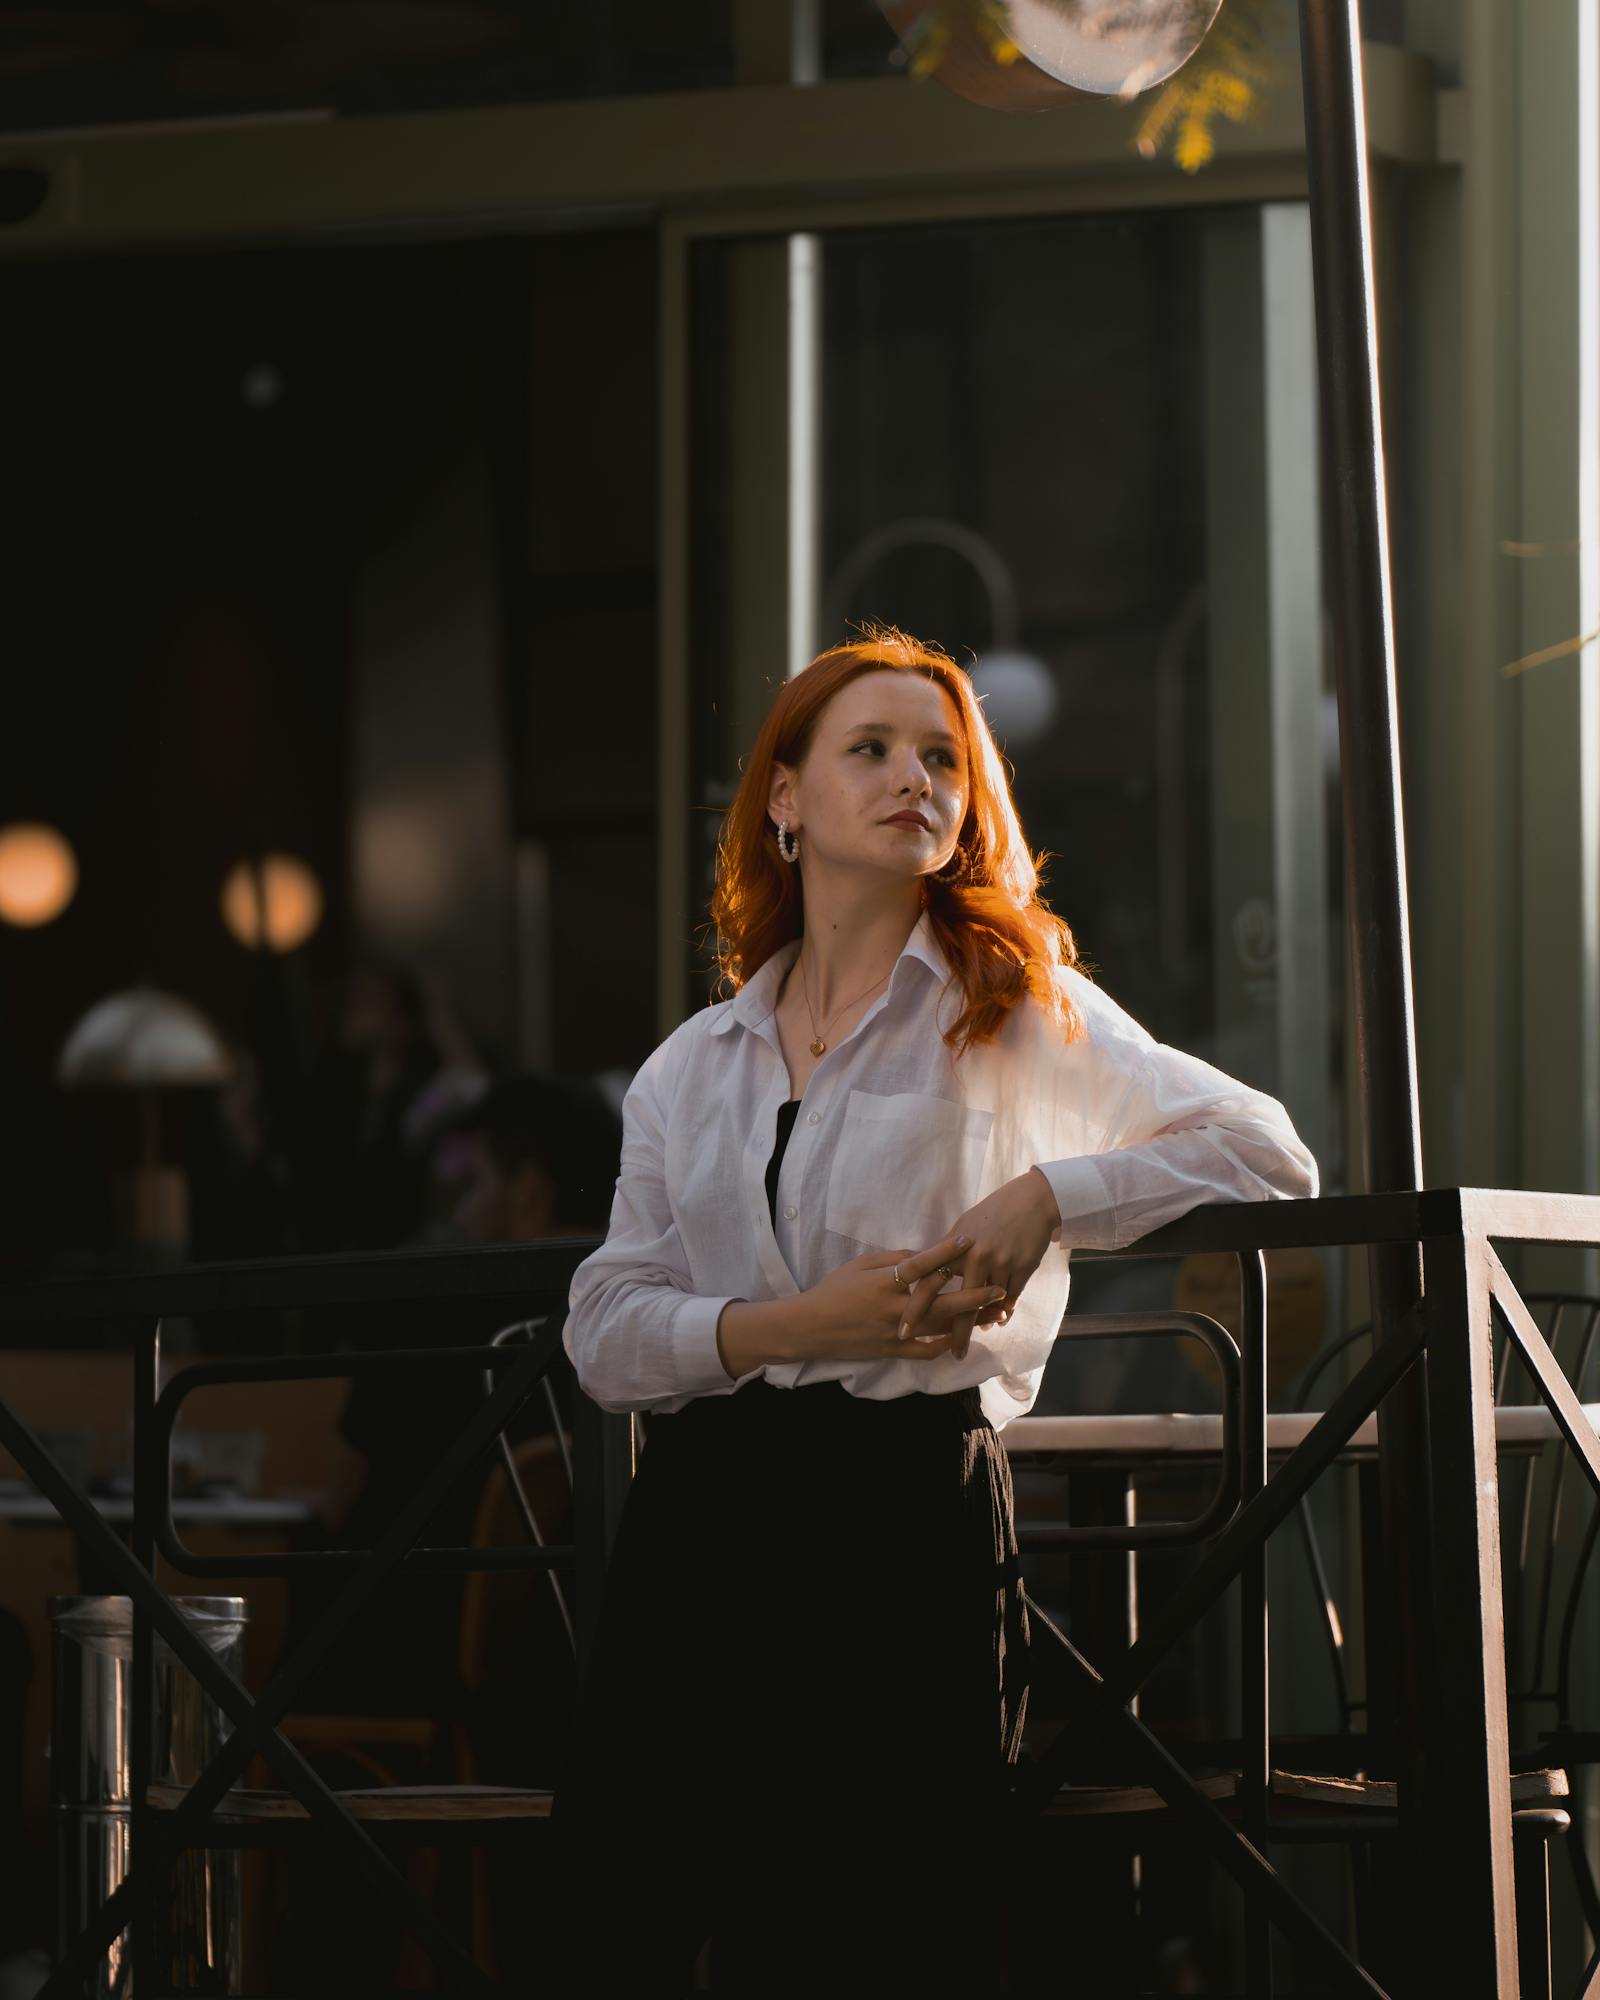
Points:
x=780, y=796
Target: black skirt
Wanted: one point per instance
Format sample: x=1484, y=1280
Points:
x=807, y=1689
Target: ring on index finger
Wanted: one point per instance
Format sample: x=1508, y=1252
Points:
x=900, y=1284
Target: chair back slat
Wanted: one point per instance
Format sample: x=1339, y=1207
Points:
x=1332, y=1624
x=1542, y=1614
x=1543, y=1575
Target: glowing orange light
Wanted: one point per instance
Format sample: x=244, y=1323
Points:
x=38, y=875
x=282, y=888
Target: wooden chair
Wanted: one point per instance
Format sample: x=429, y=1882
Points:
x=529, y=1486
x=541, y=1469
x=1543, y=1582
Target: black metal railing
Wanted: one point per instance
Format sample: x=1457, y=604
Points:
x=1455, y=1781
x=529, y=1278
x=1446, y=1632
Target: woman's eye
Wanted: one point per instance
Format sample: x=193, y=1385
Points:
x=872, y=743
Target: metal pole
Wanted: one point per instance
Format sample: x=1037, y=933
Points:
x=1374, y=833
x=1359, y=595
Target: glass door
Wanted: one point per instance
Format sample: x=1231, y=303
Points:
x=1079, y=452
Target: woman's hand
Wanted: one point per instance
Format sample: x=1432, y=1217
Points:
x=856, y=1313
x=1010, y=1231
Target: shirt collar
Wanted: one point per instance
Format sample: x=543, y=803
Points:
x=758, y=997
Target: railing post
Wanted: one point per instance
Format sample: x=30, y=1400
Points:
x=145, y=1863
x=1255, y=1639
x=1469, y=1922
x=602, y=1469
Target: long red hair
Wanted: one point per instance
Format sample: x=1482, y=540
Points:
x=1001, y=938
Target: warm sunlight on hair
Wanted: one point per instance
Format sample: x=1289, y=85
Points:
x=1000, y=936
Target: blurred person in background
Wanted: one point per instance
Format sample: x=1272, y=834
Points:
x=360, y=1176
x=534, y=1156
x=330, y=1148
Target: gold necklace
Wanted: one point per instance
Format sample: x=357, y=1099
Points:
x=818, y=1046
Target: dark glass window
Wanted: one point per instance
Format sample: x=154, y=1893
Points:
x=97, y=62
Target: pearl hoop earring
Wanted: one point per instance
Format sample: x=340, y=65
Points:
x=788, y=843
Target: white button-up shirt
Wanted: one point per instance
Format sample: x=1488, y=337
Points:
x=893, y=1140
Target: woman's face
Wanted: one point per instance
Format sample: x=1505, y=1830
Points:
x=887, y=744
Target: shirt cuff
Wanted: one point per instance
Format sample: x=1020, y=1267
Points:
x=694, y=1347
x=1088, y=1215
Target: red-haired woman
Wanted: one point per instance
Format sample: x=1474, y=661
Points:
x=836, y=1262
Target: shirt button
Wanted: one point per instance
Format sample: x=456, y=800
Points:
x=815, y=1118
x=790, y=1213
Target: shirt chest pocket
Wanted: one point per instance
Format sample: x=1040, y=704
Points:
x=905, y=1168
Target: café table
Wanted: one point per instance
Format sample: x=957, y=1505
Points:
x=23, y=1505
x=1147, y=1435
x=1103, y=1456
x=1105, y=1453
x=24, y=1508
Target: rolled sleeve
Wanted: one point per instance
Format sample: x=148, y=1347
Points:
x=694, y=1347
x=1088, y=1214
x=1185, y=1133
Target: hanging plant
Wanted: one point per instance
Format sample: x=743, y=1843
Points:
x=927, y=39
x=1226, y=76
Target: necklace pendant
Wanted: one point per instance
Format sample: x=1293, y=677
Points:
x=819, y=1047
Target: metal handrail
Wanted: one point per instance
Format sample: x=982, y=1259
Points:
x=312, y=1368
x=1224, y=1497
x=1464, y=1801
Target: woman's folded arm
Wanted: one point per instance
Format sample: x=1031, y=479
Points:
x=637, y=1332
x=1185, y=1133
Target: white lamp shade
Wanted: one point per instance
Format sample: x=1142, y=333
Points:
x=142, y=1039
x=1111, y=48
x=1019, y=696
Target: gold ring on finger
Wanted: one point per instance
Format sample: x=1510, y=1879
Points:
x=945, y=1271
x=900, y=1284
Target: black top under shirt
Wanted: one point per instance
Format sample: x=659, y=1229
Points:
x=786, y=1117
